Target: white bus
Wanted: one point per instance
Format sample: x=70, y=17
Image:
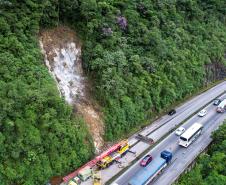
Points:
x=190, y=134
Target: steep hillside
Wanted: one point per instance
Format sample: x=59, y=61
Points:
x=140, y=55
x=62, y=51
x=144, y=55
x=39, y=135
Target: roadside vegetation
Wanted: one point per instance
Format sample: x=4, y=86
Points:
x=210, y=166
x=141, y=55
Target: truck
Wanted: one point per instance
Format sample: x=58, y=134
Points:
x=85, y=173
x=74, y=181
x=119, y=148
x=222, y=106
x=122, y=149
x=147, y=174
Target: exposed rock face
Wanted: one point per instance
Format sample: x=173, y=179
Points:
x=215, y=71
x=65, y=67
x=62, y=53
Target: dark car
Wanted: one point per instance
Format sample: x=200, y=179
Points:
x=216, y=101
x=146, y=160
x=172, y=112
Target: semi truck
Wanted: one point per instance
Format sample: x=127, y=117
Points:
x=150, y=172
x=122, y=149
x=222, y=106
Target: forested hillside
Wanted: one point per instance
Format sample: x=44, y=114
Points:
x=39, y=135
x=141, y=56
x=144, y=55
x=210, y=167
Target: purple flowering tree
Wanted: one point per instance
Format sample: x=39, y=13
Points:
x=122, y=22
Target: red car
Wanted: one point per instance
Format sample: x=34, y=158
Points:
x=146, y=160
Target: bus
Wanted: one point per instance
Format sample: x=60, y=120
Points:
x=190, y=134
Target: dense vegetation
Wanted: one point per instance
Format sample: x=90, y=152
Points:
x=210, y=168
x=142, y=55
x=39, y=136
x=145, y=54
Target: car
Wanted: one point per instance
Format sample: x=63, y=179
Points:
x=202, y=113
x=216, y=102
x=172, y=112
x=180, y=131
x=146, y=160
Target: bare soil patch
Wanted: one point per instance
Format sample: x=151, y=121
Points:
x=55, y=40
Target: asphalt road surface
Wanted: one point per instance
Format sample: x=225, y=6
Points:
x=182, y=157
x=159, y=128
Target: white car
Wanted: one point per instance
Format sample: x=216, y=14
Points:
x=202, y=113
x=180, y=131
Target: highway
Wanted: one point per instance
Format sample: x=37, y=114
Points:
x=158, y=129
x=182, y=157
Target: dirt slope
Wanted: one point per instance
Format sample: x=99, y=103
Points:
x=62, y=52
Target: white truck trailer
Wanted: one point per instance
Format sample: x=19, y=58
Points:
x=222, y=106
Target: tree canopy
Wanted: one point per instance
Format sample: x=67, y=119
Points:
x=143, y=55
x=39, y=135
